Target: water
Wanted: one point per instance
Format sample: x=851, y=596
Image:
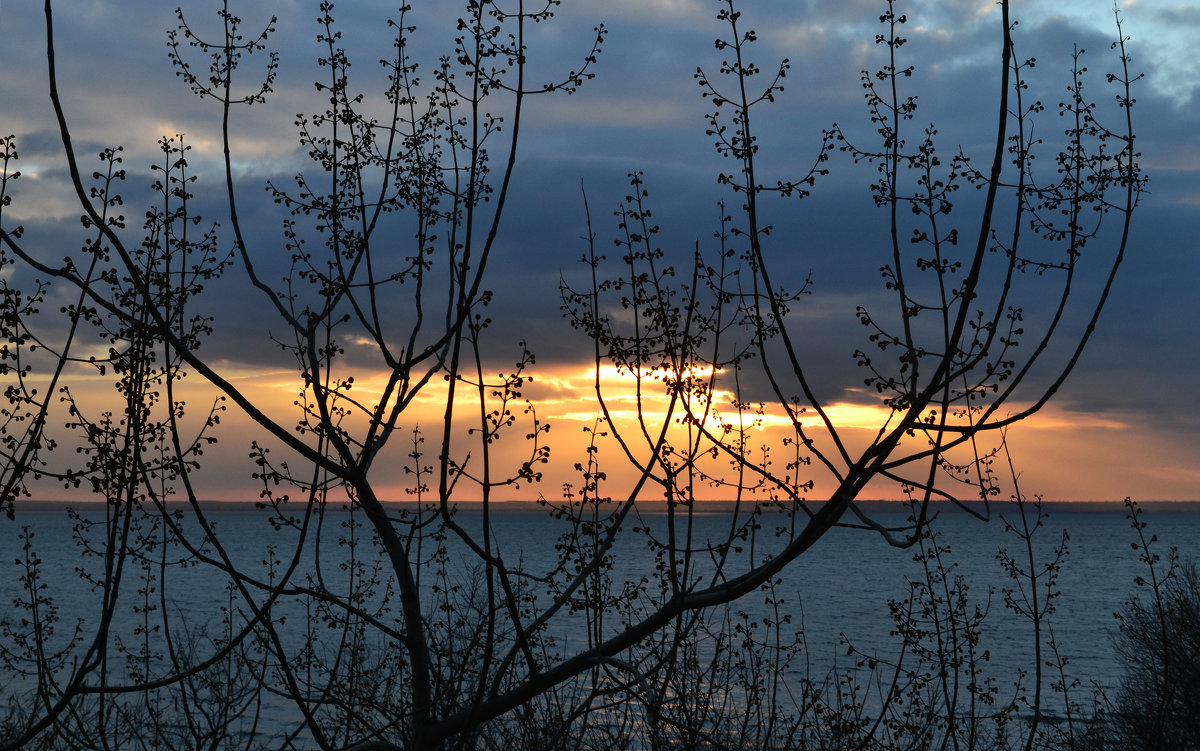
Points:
x=838, y=591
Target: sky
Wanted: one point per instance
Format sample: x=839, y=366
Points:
x=1127, y=423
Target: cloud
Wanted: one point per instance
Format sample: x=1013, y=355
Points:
x=643, y=112
x=627, y=111
x=659, y=10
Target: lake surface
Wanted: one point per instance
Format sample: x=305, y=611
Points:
x=838, y=591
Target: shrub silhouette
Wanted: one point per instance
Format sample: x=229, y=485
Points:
x=1157, y=705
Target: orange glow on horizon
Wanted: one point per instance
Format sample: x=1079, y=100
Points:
x=1062, y=453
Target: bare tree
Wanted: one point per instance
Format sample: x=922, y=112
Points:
x=958, y=358
x=441, y=635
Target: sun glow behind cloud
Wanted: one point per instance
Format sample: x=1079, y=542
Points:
x=577, y=401
x=1121, y=454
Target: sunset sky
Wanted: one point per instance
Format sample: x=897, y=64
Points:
x=1126, y=424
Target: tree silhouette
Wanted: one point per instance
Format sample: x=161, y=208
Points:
x=426, y=630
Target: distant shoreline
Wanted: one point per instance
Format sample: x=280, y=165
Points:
x=658, y=507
